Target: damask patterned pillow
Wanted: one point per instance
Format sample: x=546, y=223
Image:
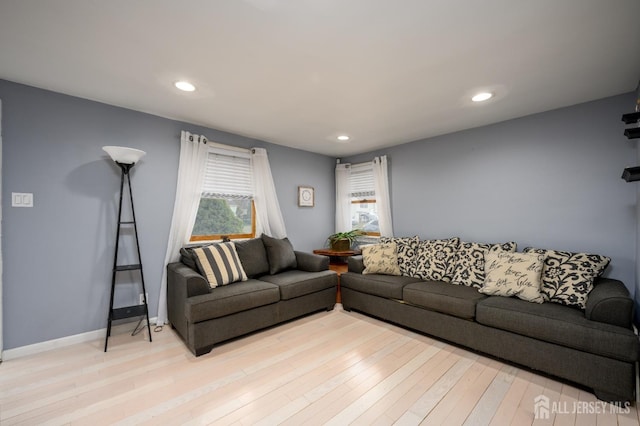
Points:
x=567, y=278
x=513, y=274
x=435, y=259
x=406, y=253
x=469, y=262
x=381, y=259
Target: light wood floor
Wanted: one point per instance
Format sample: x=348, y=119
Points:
x=333, y=368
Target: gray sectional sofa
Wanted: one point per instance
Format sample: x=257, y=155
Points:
x=595, y=347
x=281, y=284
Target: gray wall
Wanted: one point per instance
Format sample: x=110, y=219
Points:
x=58, y=254
x=550, y=180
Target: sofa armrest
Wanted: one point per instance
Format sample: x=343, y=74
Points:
x=180, y=275
x=609, y=302
x=310, y=262
x=182, y=283
x=356, y=264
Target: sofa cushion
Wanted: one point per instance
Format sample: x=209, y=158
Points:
x=186, y=257
x=381, y=259
x=387, y=286
x=567, y=278
x=435, y=259
x=513, y=274
x=456, y=300
x=558, y=324
x=219, y=263
x=406, y=253
x=280, y=254
x=227, y=300
x=253, y=257
x=469, y=262
x=296, y=283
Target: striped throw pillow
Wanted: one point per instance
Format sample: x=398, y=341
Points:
x=220, y=264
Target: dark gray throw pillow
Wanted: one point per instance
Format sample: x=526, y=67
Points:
x=253, y=257
x=188, y=257
x=280, y=254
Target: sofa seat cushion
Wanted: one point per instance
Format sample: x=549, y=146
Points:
x=230, y=299
x=388, y=286
x=456, y=300
x=297, y=283
x=558, y=324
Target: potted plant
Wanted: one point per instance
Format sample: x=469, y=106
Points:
x=342, y=241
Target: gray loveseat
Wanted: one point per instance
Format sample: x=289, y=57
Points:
x=282, y=284
x=595, y=347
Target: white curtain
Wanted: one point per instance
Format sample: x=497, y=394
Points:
x=193, y=160
x=268, y=215
x=343, y=198
x=381, y=183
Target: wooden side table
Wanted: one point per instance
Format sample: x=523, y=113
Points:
x=338, y=261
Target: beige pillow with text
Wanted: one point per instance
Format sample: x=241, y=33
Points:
x=513, y=274
x=381, y=259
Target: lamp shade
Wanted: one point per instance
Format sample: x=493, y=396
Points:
x=124, y=155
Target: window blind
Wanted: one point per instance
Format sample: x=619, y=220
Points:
x=228, y=176
x=361, y=180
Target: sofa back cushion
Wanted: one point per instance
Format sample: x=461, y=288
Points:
x=280, y=254
x=253, y=257
x=219, y=263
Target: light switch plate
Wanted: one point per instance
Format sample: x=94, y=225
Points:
x=21, y=199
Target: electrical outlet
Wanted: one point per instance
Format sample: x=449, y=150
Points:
x=141, y=302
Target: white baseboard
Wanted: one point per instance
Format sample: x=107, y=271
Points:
x=64, y=341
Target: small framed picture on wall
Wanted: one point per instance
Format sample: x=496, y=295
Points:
x=306, y=196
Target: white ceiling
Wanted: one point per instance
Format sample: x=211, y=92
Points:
x=300, y=72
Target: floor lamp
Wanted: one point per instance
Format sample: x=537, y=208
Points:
x=126, y=158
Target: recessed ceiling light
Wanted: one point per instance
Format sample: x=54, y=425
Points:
x=482, y=96
x=343, y=138
x=185, y=86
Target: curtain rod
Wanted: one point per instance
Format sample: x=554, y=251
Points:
x=357, y=165
x=228, y=147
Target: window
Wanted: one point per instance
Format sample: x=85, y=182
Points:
x=364, y=211
x=226, y=205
